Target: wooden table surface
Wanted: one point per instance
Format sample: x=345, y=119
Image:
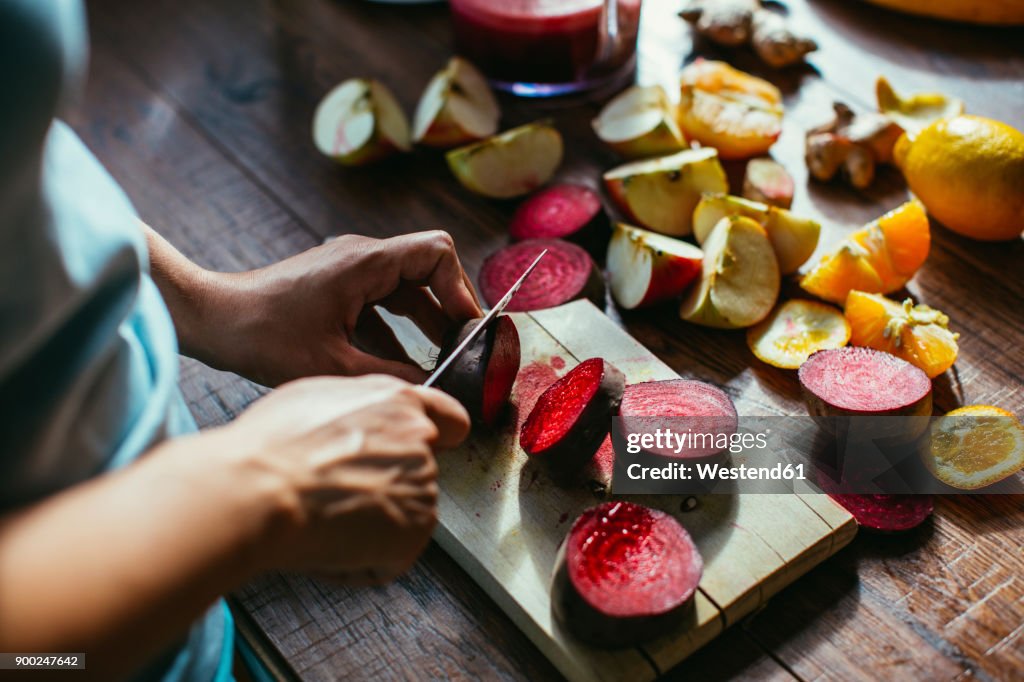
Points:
x=202, y=109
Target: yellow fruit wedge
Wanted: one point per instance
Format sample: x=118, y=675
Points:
x=975, y=446
x=879, y=258
x=795, y=330
x=917, y=333
x=917, y=111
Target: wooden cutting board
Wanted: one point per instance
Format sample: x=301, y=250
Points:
x=503, y=520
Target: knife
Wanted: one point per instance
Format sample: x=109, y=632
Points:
x=484, y=323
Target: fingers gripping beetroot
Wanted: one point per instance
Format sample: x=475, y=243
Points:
x=570, y=212
x=566, y=273
x=482, y=377
x=624, y=574
x=572, y=417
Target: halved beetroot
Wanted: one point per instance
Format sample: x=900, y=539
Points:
x=570, y=212
x=482, y=377
x=863, y=381
x=888, y=513
x=701, y=407
x=624, y=574
x=572, y=417
x=566, y=273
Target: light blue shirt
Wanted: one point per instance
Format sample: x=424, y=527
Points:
x=88, y=354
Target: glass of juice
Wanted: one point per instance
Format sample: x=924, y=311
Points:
x=541, y=48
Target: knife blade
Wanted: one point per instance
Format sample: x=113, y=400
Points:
x=479, y=329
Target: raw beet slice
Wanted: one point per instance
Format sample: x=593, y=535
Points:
x=863, y=381
x=689, y=405
x=624, y=574
x=481, y=379
x=887, y=513
x=565, y=274
x=572, y=417
x=570, y=212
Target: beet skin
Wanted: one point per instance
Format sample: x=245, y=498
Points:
x=482, y=377
x=624, y=574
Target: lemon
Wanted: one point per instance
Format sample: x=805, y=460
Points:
x=968, y=171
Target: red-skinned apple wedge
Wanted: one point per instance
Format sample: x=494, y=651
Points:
x=646, y=268
x=456, y=108
x=640, y=122
x=359, y=122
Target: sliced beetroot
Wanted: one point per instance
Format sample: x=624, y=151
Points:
x=566, y=273
x=887, y=513
x=863, y=381
x=624, y=574
x=687, y=405
x=572, y=417
x=570, y=212
x=482, y=377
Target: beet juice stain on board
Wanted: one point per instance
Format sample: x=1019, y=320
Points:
x=553, y=44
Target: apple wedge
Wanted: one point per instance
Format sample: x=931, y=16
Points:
x=646, y=268
x=359, y=122
x=640, y=122
x=794, y=239
x=660, y=194
x=739, y=277
x=511, y=164
x=456, y=108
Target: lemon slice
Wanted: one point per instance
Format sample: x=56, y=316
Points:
x=975, y=446
x=797, y=328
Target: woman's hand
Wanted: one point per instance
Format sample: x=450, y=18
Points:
x=355, y=458
x=313, y=314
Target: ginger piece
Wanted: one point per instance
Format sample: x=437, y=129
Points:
x=852, y=143
x=733, y=23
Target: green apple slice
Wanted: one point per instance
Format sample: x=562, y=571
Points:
x=359, y=122
x=511, y=164
x=660, y=194
x=739, y=278
x=646, y=268
x=456, y=108
x=640, y=122
x=794, y=239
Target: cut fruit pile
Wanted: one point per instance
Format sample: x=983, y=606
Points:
x=975, y=446
x=739, y=277
x=572, y=417
x=879, y=258
x=918, y=334
x=738, y=114
x=796, y=330
x=660, y=194
x=511, y=164
x=794, y=239
x=624, y=574
x=646, y=268
x=640, y=122
x=566, y=273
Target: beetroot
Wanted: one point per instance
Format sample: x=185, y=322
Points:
x=701, y=407
x=566, y=273
x=887, y=513
x=482, y=377
x=572, y=417
x=863, y=381
x=624, y=574
x=570, y=212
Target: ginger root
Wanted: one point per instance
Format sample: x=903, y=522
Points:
x=852, y=143
x=738, y=22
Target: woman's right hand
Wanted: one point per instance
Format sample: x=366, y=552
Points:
x=352, y=463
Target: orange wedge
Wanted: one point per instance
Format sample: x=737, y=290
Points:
x=918, y=334
x=975, y=446
x=879, y=258
x=788, y=336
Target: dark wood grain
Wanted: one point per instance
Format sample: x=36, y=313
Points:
x=201, y=109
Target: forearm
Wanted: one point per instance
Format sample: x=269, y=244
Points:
x=119, y=567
